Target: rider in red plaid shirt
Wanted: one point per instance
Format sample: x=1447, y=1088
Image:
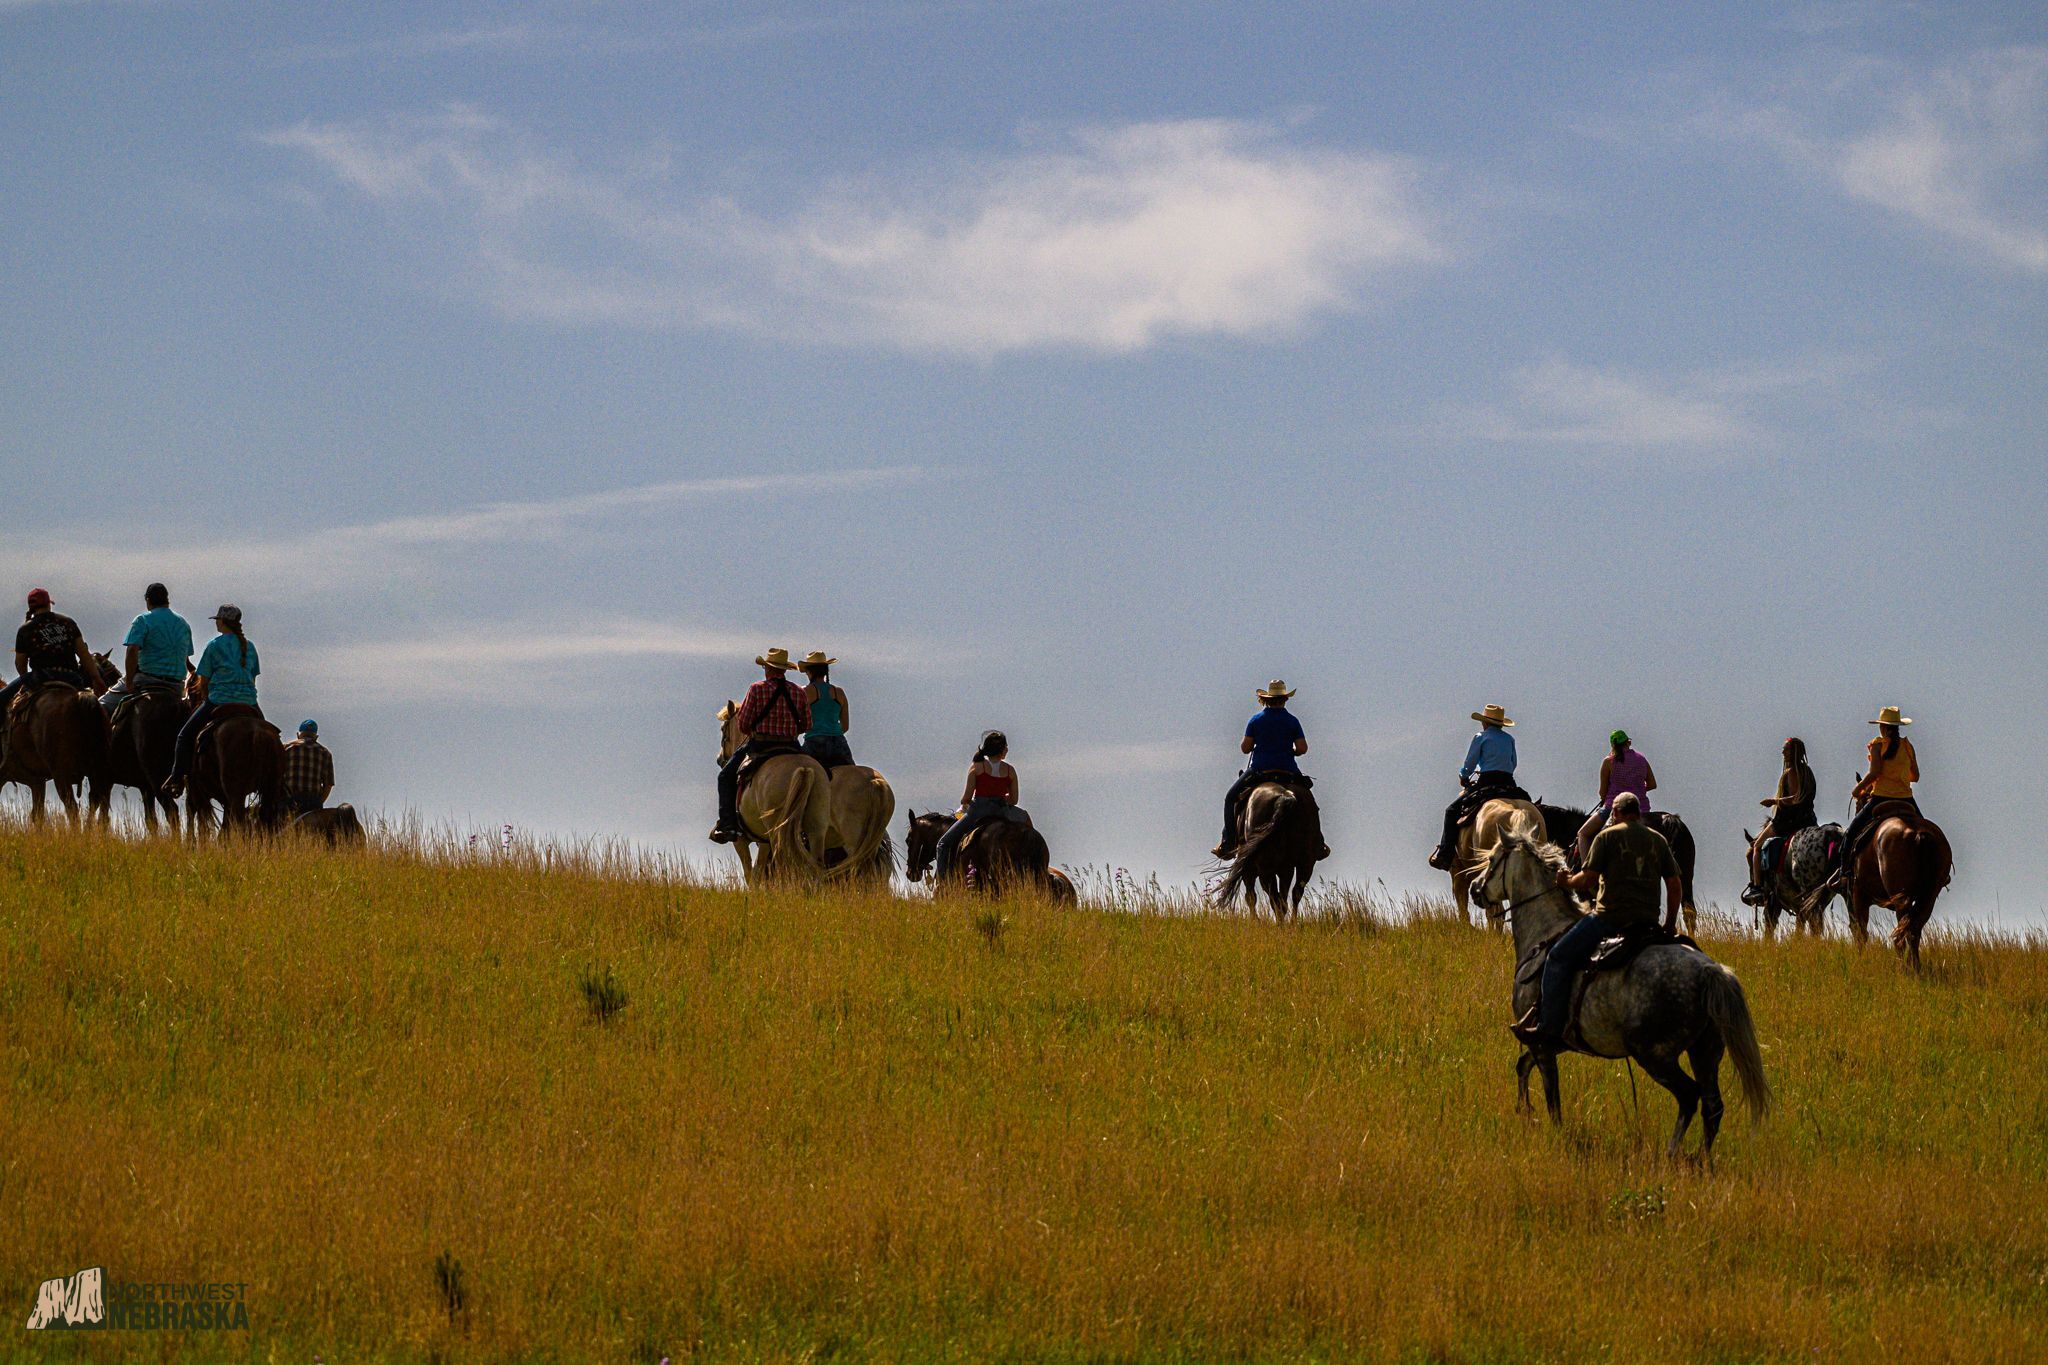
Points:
x=774, y=713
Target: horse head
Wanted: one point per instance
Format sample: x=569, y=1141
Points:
x=1516, y=872
x=110, y=672
x=728, y=731
x=921, y=846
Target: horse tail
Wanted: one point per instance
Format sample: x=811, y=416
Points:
x=1729, y=1009
x=1932, y=866
x=858, y=859
x=1240, y=874
x=786, y=836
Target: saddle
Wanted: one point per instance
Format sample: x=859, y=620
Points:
x=1474, y=800
x=1280, y=777
x=759, y=752
x=150, y=687
x=1614, y=954
x=233, y=710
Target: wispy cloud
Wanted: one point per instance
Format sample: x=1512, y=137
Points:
x=327, y=558
x=1107, y=239
x=519, y=663
x=1557, y=403
x=1958, y=151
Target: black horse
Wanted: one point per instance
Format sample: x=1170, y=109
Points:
x=1280, y=840
x=144, y=743
x=1562, y=824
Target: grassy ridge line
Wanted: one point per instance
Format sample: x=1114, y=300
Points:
x=854, y=1123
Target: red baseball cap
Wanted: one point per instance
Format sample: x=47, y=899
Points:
x=39, y=597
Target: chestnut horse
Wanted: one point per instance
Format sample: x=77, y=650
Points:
x=58, y=733
x=1902, y=865
x=242, y=758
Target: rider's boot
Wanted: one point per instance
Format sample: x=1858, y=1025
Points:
x=1754, y=894
x=1442, y=857
x=1226, y=847
x=1529, y=1028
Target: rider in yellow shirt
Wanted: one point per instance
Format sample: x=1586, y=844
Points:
x=1894, y=768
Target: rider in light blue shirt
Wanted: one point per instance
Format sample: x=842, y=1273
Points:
x=160, y=639
x=1492, y=751
x=227, y=677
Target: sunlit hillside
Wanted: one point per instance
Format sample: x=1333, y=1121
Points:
x=503, y=1107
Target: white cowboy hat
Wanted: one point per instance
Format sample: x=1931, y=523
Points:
x=777, y=657
x=1494, y=715
x=1276, y=688
x=816, y=659
x=1889, y=715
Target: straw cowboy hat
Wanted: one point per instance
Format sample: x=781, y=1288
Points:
x=1276, y=689
x=1494, y=715
x=777, y=657
x=815, y=659
x=1889, y=715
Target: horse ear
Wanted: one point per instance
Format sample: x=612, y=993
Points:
x=913, y=817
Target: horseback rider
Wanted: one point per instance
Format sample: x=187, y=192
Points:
x=49, y=647
x=1488, y=772
x=1623, y=770
x=308, y=770
x=226, y=677
x=773, y=714
x=159, y=644
x=1273, y=738
x=1894, y=768
x=1791, y=810
x=825, y=736
x=1626, y=862
x=990, y=794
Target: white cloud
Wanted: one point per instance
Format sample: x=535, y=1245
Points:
x=1960, y=152
x=1561, y=404
x=517, y=664
x=327, y=558
x=1107, y=239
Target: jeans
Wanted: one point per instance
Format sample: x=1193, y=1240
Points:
x=831, y=751
x=979, y=812
x=301, y=802
x=188, y=738
x=1568, y=957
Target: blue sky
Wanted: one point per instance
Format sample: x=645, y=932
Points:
x=523, y=370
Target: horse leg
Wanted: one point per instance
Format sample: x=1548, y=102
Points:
x=1705, y=1056
x=1666, y=1072
x=38, y=810
x=1547, y=1064
x=1460, y=884
x=69, y=797
x=1271, y=882
x=1859, y=917
x=1301, y=875
x=1523, y=1065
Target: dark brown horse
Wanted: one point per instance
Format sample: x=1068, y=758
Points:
x=1279, y=842
x=57, y=733
x=145, y=739
x=1561, y=824
x=241, y=757
x=1902, y=865
x=1000, y=856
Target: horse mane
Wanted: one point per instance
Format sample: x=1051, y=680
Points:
x=1550, y=855
x=1573, y=812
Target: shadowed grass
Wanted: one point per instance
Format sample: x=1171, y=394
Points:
x=373, y=1087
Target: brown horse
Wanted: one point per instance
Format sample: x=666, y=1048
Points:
x=1279, y=842
x=145, y=740
x=1000, y=856
x=241, y=758
x=57, y=733
x=1902, y=865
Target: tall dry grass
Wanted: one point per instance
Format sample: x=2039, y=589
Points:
x=628, y=1117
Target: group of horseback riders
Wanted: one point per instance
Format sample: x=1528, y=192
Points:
x=50, y=650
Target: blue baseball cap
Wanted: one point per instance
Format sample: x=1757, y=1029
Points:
x=309, y=727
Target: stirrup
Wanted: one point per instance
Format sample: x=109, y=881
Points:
x=1441, y=859
x=1754, y=895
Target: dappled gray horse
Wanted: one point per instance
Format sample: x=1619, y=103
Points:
x=1670, y=1000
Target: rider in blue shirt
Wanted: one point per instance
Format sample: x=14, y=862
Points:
x=227, y=677
x=1488, y=772
x=159, y=649
x=1274, y=739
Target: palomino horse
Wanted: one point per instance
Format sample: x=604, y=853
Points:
x=858, y=842
x=241, y=758
x=145, y=740
x=1561, y=824
x=58, y=733
x=1497, y=819
x=1902, y=865
x=1001, y=856
x=786, y=809
x=1669, y=1000
x=1279, y=843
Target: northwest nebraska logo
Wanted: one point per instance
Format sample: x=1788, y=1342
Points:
x=87, y=1301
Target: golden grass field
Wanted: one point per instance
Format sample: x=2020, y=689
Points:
x=859, y=1127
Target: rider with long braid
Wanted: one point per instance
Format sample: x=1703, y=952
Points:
x=226, y=677
x=990, y=794
x=1894, y=768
